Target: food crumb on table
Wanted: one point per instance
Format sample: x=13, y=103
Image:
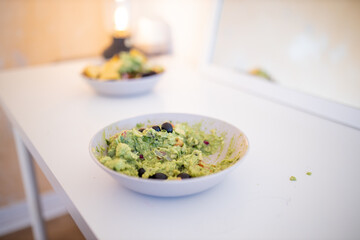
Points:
x=292, y=178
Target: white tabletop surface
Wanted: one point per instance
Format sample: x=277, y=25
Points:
x=57, y=114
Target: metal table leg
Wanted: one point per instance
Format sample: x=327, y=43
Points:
x=29, y=180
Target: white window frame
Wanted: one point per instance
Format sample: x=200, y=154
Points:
x=330, y=110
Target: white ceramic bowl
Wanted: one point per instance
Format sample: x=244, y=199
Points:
x=172, y=188
x=124, y=87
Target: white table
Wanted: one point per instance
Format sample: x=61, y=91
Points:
x=56, y=114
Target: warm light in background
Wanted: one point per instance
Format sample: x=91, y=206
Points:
x=121, y=18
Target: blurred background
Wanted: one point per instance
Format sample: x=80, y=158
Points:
x=37, y=32
x=309, y=46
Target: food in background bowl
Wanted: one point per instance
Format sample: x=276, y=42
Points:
x=221, y=145
x=125, y=65
x=127, y=73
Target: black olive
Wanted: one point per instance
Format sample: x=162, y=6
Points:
x=149, y=74
x=167, y=126
x=141, y=129
x=156, y=128
x=182, y=167
x=141, y=171
x=183, y=175
x=159, y=176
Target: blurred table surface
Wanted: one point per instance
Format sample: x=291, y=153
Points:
x=57, y=113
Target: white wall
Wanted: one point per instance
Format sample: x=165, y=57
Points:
x=189, y=23
x=312, y=46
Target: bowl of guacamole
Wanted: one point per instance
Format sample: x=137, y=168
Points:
x=169, y=154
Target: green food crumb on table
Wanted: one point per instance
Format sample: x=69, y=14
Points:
x=292, y=178
x=309, y=173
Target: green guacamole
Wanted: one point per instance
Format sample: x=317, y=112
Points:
x=155, y=152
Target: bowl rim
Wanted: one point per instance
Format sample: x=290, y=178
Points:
x=174, y=181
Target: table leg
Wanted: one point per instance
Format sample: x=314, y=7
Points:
x=29, y=180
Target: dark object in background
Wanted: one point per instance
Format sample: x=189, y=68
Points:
x=118, y=45
x=149, y=74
